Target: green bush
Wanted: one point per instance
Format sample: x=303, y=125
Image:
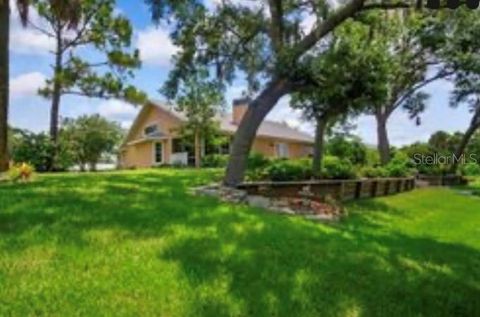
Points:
x=215, y=160
x=470, y=169
x=36, y=149
x=350, y=148
x=257, y=161
x=433, y=169
x=289, y=170
x=337, y=168
x=399, y=166
x=373, y=172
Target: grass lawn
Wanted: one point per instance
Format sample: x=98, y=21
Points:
x=136, y=244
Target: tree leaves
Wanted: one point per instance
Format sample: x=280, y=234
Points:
x=103, y=74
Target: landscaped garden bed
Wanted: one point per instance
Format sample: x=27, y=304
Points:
x=306, y=204
x=315, y=199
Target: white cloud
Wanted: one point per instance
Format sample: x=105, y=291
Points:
x=282, y=112
x=156, y=47
x=27, y=40
x=26, y=84
x=118, y=110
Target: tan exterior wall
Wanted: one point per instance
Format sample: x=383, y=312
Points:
x=168, y=124
x=140, y=155
x=264, y=146
x=267, y=147
x=299, y=150
x=137, y=155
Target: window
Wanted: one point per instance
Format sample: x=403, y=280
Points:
x=308, y=150
x=224, y=148
x=151, y=129
x=281, y=149
x=158, y=153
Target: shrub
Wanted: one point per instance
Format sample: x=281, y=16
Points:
x=433, y=169
x=257, y=165
x=399, y=166
x=470, y=169
x=289, y=170
x=36, y=149
x=350, y=148
x=215, y=160
x=373, y=172
x=21, y=172
x=257, y=161
x=337, y=168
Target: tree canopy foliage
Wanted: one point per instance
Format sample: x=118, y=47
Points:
x=88, y=138
x=201, y=101
x=94, y=25
x=265, y=41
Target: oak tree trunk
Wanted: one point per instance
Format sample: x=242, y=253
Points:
x=474, y=125
x=382, y=135
x=93, y=166
x=4, y=82
x=245, y=135
x=197, y=150
x=318, y=148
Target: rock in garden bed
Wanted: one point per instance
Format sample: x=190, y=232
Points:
x=309, y=207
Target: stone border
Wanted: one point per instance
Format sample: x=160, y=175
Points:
x=307, y=207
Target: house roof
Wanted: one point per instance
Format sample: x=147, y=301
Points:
x=268, y=128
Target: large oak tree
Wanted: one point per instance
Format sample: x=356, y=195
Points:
x=266, y=41
x=348, y=77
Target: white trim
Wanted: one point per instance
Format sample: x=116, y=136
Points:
x=156, y=139
x=154, y=154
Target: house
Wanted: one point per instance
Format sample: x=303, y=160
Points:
x=154, y=138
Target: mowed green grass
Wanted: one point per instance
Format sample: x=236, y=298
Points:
x=137, y=244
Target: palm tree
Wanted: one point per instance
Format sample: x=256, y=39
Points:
x=4, y=73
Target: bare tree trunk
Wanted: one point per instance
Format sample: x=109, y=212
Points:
x=197, y=150
x=4, y=82
x=318, y=148
x=243, y=139
x=474, y=125
x=382, y=135
x=56, y=96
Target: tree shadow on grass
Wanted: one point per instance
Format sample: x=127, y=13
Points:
x=295, y=268
x=245, y=262
x=64, y=208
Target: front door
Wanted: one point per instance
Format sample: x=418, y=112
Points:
x=158, y=153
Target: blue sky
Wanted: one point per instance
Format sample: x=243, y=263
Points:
x=30, y=65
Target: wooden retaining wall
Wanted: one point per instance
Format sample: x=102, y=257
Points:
x=341, y=190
